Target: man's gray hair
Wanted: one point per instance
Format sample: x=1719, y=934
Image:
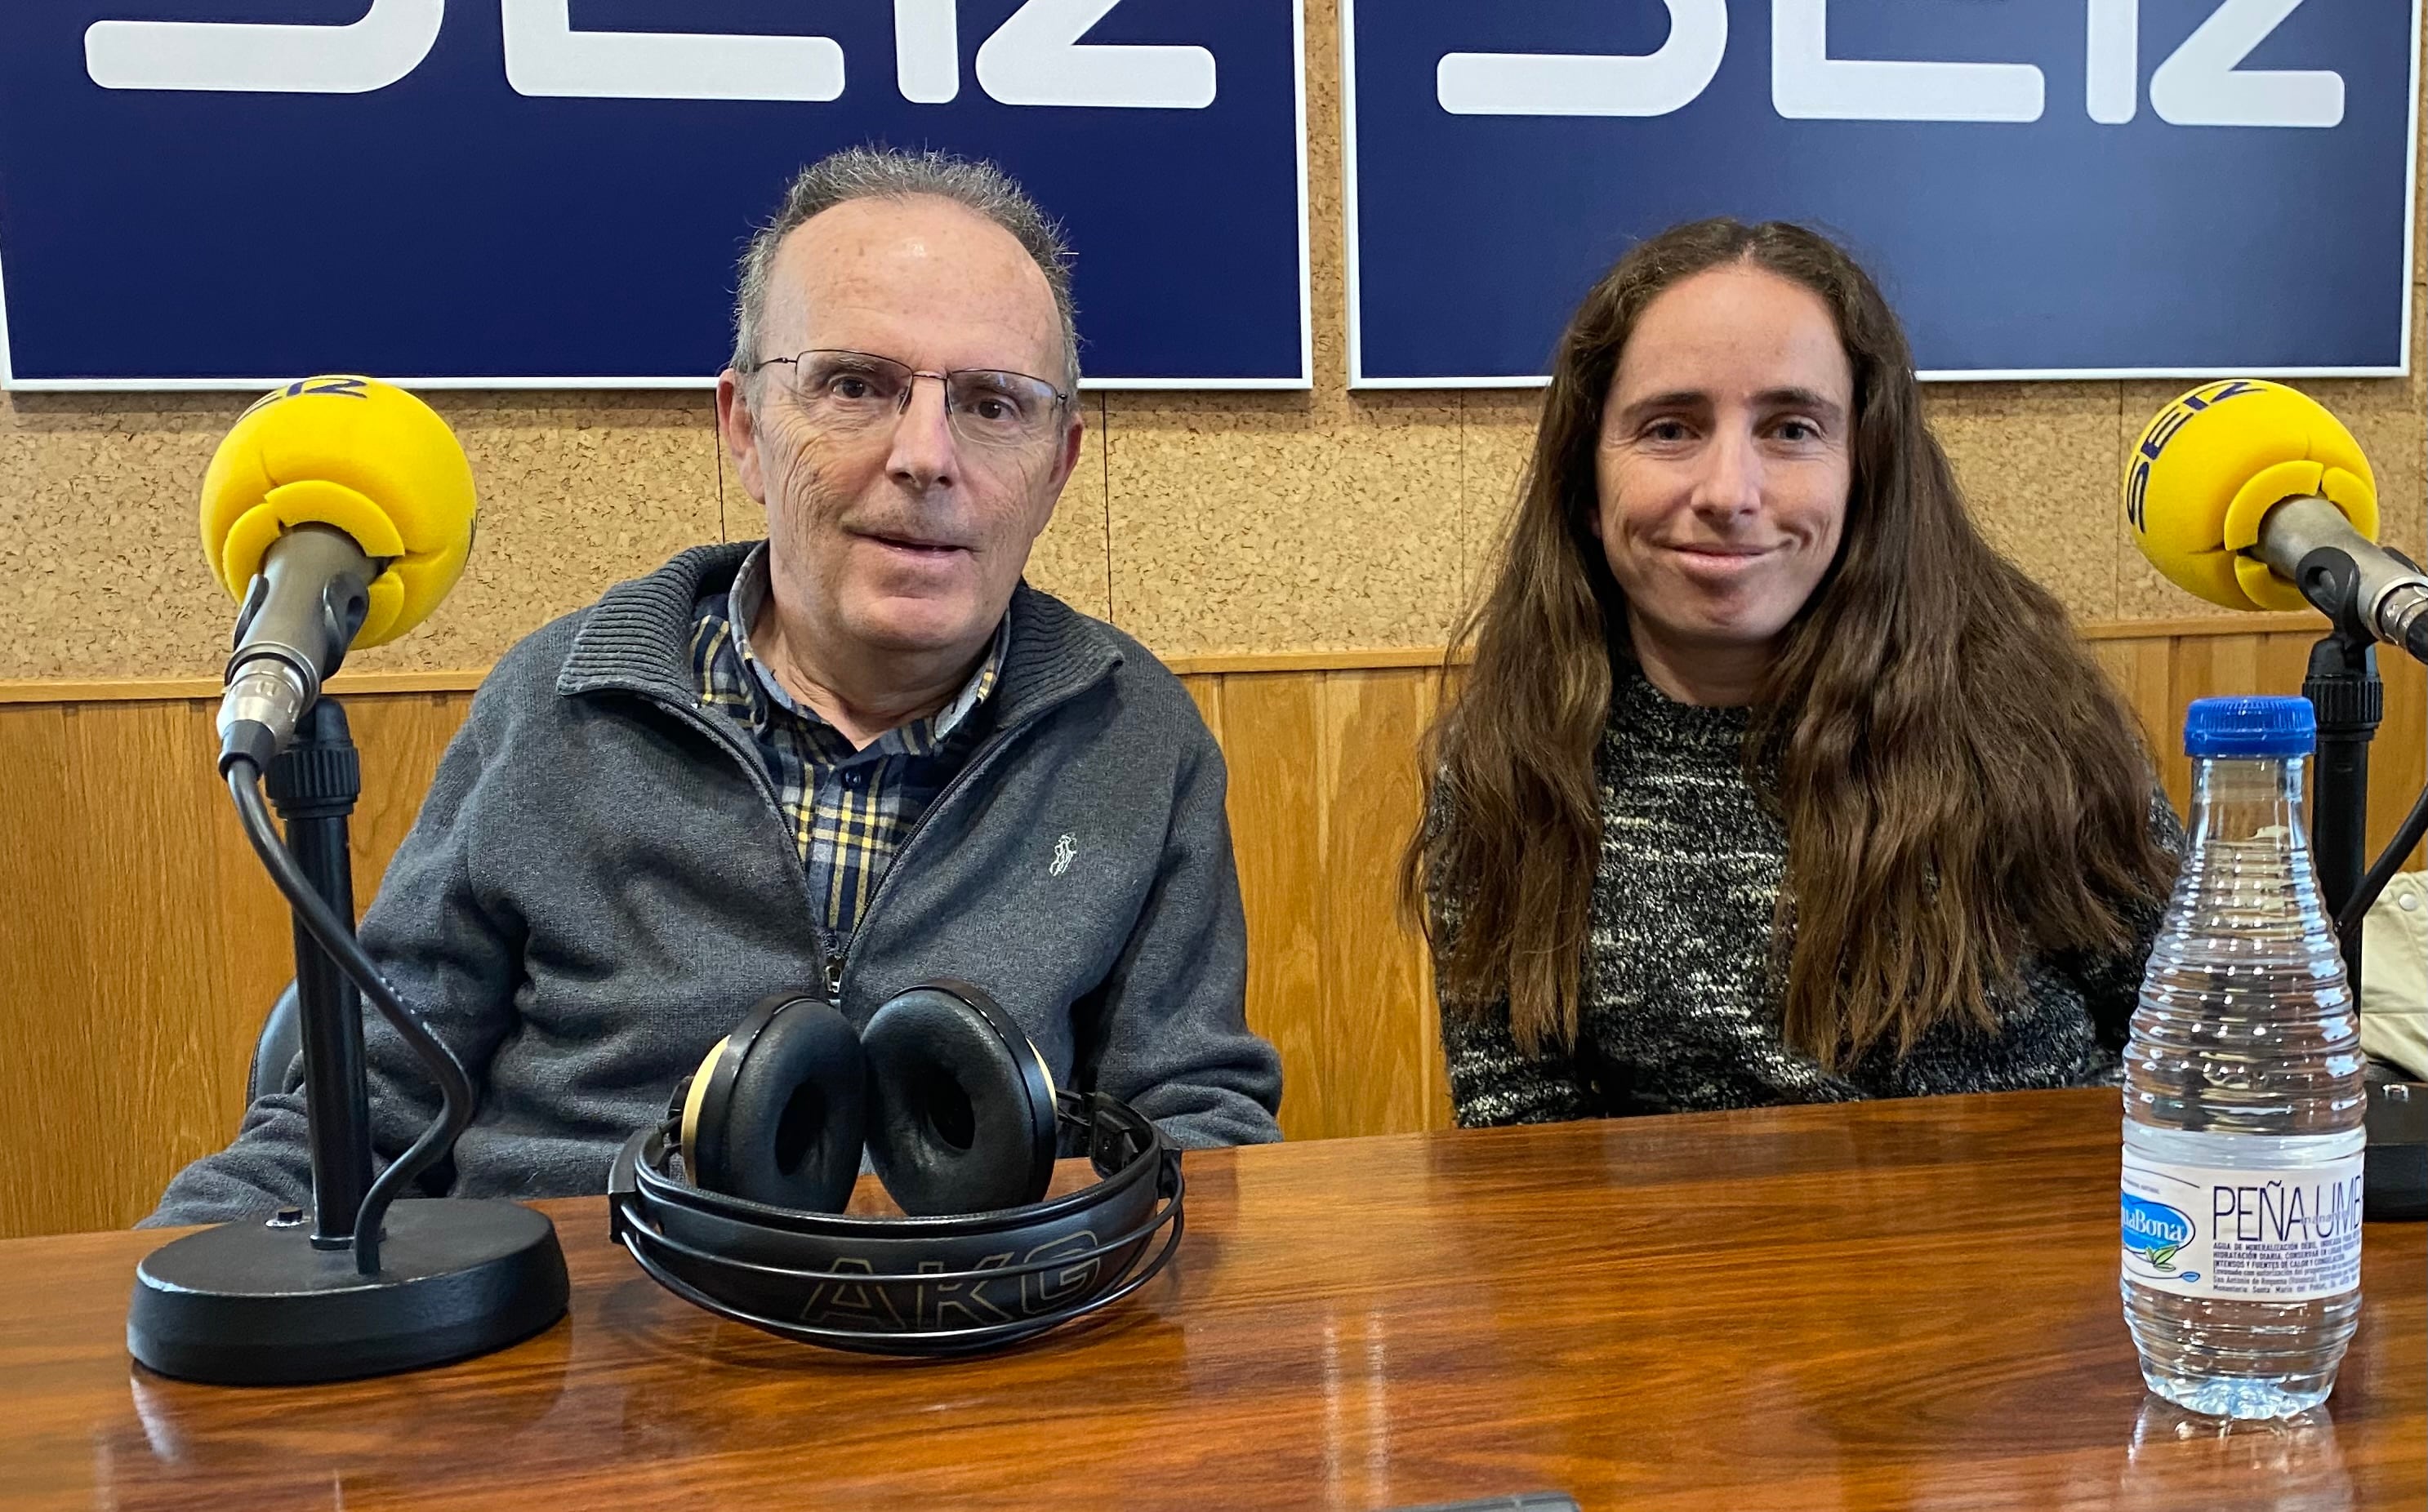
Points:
x=884, y=173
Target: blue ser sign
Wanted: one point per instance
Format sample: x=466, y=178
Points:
x=545, y=192
x=2046, y=187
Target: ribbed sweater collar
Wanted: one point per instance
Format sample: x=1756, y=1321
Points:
x=1652, y=720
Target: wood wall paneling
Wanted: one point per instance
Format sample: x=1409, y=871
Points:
x=402, y=739
x=1380, y=1031
x=129, y=933
x=142, y=945
x=43, y=1078
x=1323, y=792
x=1269, y=730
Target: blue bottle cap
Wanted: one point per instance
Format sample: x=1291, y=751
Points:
x=2250, y=727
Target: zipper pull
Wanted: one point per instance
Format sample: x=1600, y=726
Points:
x=834, y=980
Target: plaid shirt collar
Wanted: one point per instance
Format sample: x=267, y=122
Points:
x=765, y=694
x=848, y=811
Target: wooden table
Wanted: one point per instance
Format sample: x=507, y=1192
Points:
x=1893, y=1304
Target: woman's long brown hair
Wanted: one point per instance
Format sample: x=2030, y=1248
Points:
x=1959, y=786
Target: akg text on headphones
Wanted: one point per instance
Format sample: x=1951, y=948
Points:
x=734, y=1203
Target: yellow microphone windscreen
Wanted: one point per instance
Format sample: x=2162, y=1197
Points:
x=363, y=456
x=2212, y=463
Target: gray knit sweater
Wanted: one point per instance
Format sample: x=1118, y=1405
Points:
x=1679, y=1010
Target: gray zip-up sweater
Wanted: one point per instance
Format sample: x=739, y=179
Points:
x=601, y=883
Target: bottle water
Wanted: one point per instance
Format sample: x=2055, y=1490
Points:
x=2244, y=1095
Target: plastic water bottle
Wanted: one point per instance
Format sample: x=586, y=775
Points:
x=2244, y=1095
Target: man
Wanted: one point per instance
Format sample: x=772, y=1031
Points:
x=859, y=754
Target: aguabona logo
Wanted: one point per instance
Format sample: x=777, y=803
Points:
x=2154, y=1232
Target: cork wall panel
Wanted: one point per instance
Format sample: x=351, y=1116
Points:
x=1496, y=441
x=103, y=570
x=745, y=518
x=1256, y=521
x=101, y=565
x=577, y=493
x=1073, y=560
x=2037, y=465
x=1279, y=522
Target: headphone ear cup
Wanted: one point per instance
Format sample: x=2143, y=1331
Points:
x=963, y=1107
x=783, y=1116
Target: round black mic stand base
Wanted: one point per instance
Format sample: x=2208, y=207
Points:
x=254, y=1304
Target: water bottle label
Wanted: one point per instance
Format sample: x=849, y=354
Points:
x=2258, y=1235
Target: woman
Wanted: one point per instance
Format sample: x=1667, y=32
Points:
x=1771, y=782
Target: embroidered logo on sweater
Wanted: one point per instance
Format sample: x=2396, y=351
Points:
x=1066, y=850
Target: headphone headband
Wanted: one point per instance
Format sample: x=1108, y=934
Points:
x=929, y=1286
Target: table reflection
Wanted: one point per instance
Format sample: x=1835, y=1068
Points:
x=2179, y=1459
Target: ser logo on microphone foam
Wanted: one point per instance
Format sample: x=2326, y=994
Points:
x=2163, y=430
x=344, y=388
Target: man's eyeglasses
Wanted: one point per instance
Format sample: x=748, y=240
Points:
x=848, y=391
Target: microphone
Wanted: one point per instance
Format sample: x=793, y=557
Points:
x=338, y=512
x=2250, y=494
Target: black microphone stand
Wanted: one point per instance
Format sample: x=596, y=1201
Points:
x=366, y=1287
x=2344, y=689
x=314, y=784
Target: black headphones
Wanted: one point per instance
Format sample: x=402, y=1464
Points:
x=735, y=1202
